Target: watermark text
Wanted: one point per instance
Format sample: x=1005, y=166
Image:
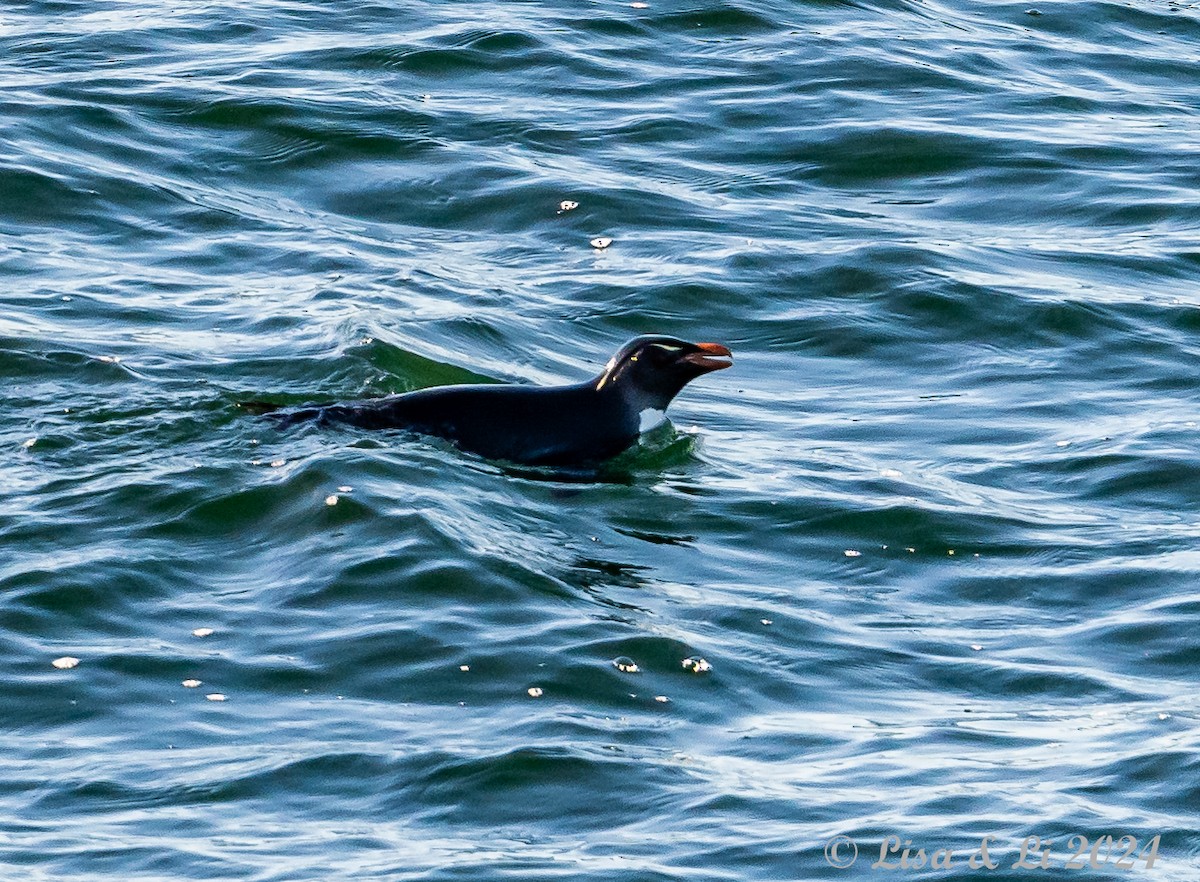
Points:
x=1075, y=852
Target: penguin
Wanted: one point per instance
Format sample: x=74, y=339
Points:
x=577, y=424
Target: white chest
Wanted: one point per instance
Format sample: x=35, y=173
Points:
x=650, y=418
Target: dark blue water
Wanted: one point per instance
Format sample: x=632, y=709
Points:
x=934, y=537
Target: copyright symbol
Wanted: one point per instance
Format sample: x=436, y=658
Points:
x=841, y=852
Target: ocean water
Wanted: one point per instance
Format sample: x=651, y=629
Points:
x=924, y=564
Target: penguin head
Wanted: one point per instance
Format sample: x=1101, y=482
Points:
x=650, y=370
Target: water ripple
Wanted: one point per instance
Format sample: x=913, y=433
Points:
x=919, y=565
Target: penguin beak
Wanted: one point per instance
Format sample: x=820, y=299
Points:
x=701, y=358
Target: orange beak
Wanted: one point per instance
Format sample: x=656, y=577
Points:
x=700, y=358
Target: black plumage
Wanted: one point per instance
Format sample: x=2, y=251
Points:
x=542, y=425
